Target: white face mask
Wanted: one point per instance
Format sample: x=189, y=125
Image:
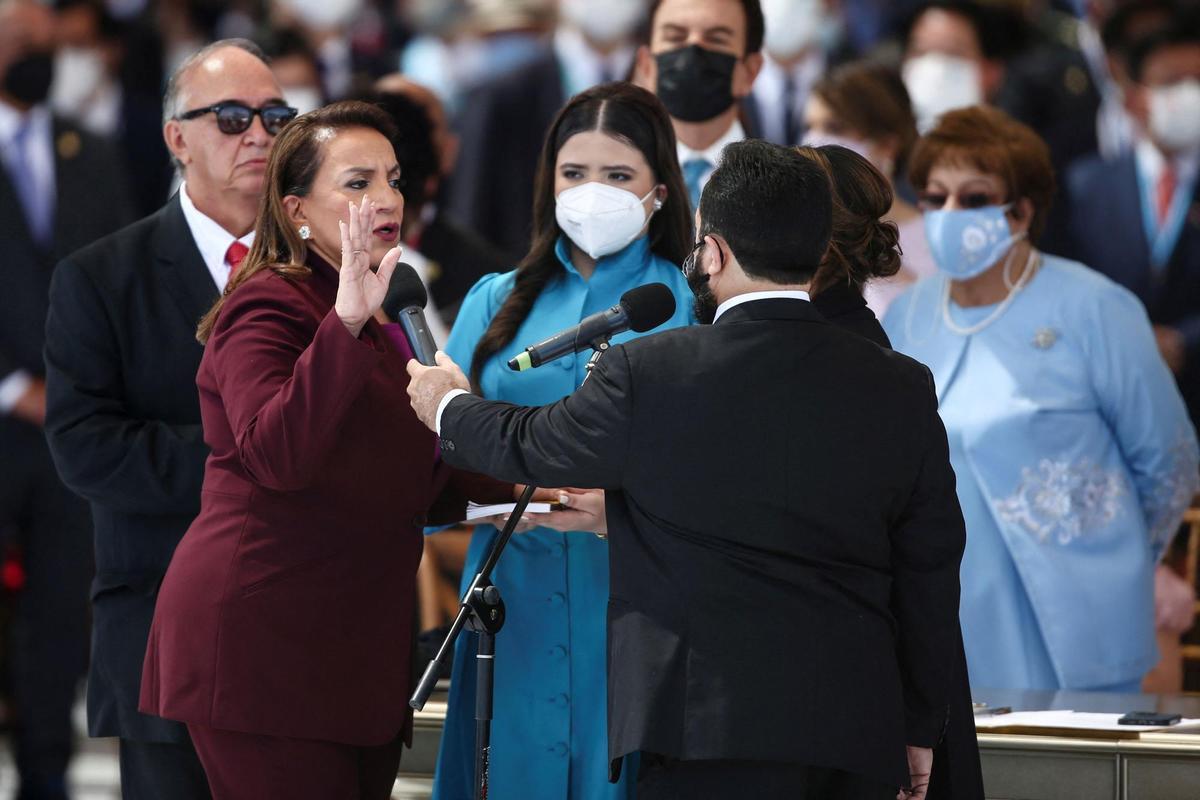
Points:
x=325, y=14
x=1175, y=115
x=78, y=75
x=792, y=25
x=938, y=83
x=604, y=21
x=601, y=219
x=303, y=98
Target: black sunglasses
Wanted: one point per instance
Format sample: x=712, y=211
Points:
x=234, y=118
x=933, y=201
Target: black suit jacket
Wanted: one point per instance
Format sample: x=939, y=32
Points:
x=461, y=257
x=846, y=308
x=91, y=202
x=956, y=770
x=123, y=422
x=1107, y=234
x=784, y=556
x=503, y=124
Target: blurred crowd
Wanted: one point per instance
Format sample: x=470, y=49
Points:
x=496, y=70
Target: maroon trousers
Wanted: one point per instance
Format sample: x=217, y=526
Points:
x=246, y=766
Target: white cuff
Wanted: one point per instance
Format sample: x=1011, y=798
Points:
x=13, y=388
x=446, y=398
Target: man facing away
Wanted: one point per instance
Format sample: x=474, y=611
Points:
x=123, y=415
x=784, y=555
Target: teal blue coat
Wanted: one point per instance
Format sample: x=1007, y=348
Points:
x=549, y=735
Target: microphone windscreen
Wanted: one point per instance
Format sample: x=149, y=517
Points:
x=404, y=290
x=648, y=306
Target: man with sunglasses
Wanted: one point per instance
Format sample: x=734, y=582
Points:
x=123, y=417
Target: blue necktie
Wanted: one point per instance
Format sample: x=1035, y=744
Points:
x=34, y=198
x=693, y=170
x=791, y=127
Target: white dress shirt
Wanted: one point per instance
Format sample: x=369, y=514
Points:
x=1151, y=162
x=712, y=154
x=39, y=147
x=583, y=67
x=748, y=297
x=768, y=93
x=38, y=154
x=1163, y=235
x=212, y=240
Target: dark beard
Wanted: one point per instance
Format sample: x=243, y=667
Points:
x=705, y=304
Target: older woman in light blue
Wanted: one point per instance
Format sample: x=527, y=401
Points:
x=1073, y=450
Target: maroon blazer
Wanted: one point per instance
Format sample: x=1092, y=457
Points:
x=288, y=606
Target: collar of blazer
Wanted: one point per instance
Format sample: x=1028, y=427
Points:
x=175, y=252
x=772, y=309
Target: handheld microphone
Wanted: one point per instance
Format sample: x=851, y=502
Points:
x=640, y=309
x=405, y=303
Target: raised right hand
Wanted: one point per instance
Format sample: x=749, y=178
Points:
x=360, y=289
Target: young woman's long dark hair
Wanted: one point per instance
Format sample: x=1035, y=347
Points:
x=636, y=117
x=295, y=158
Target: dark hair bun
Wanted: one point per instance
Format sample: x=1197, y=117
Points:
x=882, y=250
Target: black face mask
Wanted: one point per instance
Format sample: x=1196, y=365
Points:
x=706, y=302
x=28, y=79
x=695, y=84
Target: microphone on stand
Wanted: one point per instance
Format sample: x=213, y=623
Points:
x=640, y=310
x=405, y=303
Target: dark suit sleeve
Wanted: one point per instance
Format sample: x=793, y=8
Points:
x=927, y=546
x=285, y=390
x=582, y=440
x=102, y=450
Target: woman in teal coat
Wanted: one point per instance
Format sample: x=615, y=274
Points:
x=610, y=214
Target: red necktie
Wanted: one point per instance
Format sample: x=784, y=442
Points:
x=234, y=255
x=1165, y=194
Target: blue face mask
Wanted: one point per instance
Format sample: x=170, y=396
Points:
x=966, y=242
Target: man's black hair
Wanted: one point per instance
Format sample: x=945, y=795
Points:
x=1183, y=29
x=415, y=151
x=755, y=25
x=773, y=207
x=1000, y=32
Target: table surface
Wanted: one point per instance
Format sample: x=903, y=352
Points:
x=1187, y=705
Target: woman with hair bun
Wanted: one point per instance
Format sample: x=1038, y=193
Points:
x=863, y=245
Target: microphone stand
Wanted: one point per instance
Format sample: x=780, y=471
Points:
x=482, y=610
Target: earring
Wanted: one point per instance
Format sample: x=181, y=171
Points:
x=305, y=232
x=658, y=204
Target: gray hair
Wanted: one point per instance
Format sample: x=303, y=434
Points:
x=171, y=108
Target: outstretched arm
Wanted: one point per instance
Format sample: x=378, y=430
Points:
x=582, y=440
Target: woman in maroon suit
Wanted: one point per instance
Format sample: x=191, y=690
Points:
x=283, y=630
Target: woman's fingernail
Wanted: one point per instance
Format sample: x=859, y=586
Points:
x=564, y=498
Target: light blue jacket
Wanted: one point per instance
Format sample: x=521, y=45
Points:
x=1076, y=436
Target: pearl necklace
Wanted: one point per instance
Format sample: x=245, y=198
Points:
x=970, y=330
